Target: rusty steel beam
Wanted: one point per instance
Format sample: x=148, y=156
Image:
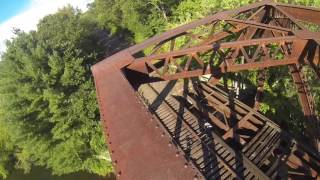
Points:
x=205, y=48
x=313, y=58
x=259, y=25
x=287, y=15
x=307, y=103
x=301, y=13
x=306, y=51
x=134, y=136
x=182, y=29
x=231, y=68
x=136, y=142
x=141, y=64
x=236, y=29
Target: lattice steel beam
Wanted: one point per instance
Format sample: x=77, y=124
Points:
x=254, y=35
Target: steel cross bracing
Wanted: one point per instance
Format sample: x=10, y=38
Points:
x=262, y=35
x=255, y=37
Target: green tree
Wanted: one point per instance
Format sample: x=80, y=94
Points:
x=6, y=150
x=48, y=99
x=143, y=18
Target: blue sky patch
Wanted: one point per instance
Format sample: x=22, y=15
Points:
x=10, y=8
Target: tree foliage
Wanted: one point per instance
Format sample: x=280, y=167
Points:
x=144, y=18
x=48, y=99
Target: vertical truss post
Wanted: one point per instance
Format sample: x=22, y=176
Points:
x=307, y=104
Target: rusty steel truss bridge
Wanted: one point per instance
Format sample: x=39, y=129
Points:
x=162, y=121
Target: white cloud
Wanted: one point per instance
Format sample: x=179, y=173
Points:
x=28, y=19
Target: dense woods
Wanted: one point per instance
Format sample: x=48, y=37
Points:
x=49, y=116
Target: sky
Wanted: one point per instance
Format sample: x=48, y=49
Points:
x=25, y=14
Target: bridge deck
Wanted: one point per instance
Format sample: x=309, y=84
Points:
x=223, y=137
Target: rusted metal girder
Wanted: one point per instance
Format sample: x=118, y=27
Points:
x=247, y=52
x=261, y=35
x=300, y=13
x=140, y=148
x=229, y=62
x=307, y=103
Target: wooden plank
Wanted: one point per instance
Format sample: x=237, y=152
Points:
x=274, y=143
x=238, y=125
x=266, y=146
x=253, y=140
x=214, y=119
x=251, y=153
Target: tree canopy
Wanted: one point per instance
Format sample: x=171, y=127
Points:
x=48, y=101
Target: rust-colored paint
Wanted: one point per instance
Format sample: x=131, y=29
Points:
x=138, y=148
x=142, y=149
